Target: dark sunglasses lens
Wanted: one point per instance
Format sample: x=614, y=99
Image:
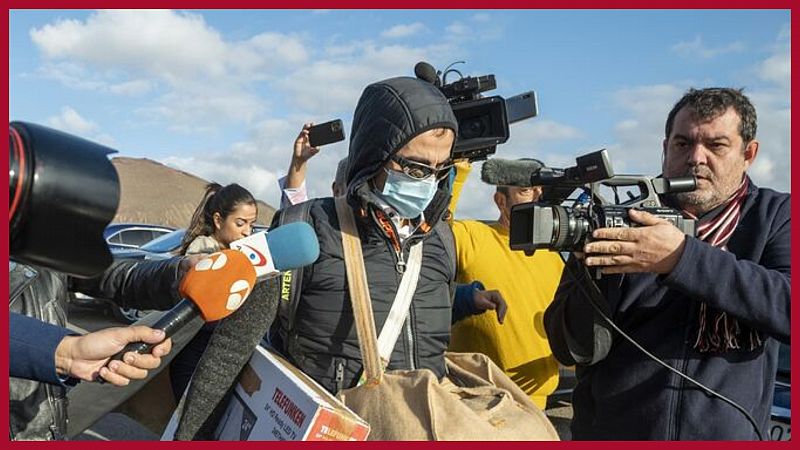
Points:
x=417, y=172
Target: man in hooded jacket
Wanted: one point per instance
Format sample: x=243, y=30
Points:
x=402, y=136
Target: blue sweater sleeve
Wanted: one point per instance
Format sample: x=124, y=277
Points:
x=757, y=292
x=464, y=303
x=32, y=348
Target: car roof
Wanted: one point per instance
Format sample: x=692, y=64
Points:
x=114, y=227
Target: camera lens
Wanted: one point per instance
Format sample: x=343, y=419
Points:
x=570, y=228
x=473, y=127
x=63, y=191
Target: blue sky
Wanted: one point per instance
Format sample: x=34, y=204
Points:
x=222, y=94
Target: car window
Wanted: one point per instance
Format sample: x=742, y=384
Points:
x=784, y=363
x=136, y=237
x=115, y=239
x=166, y=243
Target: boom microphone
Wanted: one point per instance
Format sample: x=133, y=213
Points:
x=505, y=172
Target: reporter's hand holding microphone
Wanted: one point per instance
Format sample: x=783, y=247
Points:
x=85, y=357
x=213, y=288
x=216, y=285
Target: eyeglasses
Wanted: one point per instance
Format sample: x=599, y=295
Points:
x=419, y=171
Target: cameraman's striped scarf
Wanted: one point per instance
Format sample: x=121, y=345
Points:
x=717, y=331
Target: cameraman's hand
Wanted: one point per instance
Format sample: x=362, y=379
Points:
x=654, y=247
x=485, y=300
x=303, y=151
x=85, y=357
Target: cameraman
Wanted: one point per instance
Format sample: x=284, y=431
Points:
x=712, y=306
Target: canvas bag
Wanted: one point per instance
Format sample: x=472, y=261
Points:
x=474, y=401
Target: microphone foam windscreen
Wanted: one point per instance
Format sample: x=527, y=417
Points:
x=293, y=245
x=427, y=72
x=219, y=284
x=504, y=172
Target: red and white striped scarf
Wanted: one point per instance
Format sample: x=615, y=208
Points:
x=717, y=331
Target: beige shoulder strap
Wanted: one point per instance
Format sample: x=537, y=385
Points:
x=359, y=292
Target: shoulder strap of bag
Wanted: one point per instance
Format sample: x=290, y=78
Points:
x=449, y=241
x=359, y=292
x=445, y=233
x=402, y=301
x=292, y=281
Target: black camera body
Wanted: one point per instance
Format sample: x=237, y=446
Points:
x=482, y=121
x=547, y=224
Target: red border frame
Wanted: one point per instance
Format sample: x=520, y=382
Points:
x=418, y=4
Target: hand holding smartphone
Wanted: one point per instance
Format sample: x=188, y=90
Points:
x=326, y=133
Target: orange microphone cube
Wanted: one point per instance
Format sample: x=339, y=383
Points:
x=219, y=284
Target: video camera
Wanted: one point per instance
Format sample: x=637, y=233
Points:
x=482, y=121
x=63, y=192
x=547, y=224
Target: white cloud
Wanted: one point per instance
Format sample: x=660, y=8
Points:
x=697, y=49
x=333, y=86
x=777, y=68
x=480, y=27
x=258, y=161
x=404, y=30
x=134, y=87
x=639, y=133
x=72, y=75
x=529, y=139
x=204, y=108
x=156, y=42
x=127, y=52
x=458, y=29
x=223, y=169
x=71, y=122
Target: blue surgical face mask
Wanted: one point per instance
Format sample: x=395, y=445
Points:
x=407, y=195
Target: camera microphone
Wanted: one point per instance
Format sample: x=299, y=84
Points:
x=506, y=172
x=427, y=72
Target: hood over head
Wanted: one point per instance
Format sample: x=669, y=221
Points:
x=389, y=114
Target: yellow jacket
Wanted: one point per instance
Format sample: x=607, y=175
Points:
x=519, y=346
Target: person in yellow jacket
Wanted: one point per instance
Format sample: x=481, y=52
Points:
x=519, y=345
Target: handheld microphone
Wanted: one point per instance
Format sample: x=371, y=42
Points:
x=505, y=172
x=235, y=338
x=287, y=247
x=292, y=248
x=213, y=289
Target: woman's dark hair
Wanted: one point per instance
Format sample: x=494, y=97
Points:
x=217, y=199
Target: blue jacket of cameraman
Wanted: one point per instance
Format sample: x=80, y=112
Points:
x=622, y=394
